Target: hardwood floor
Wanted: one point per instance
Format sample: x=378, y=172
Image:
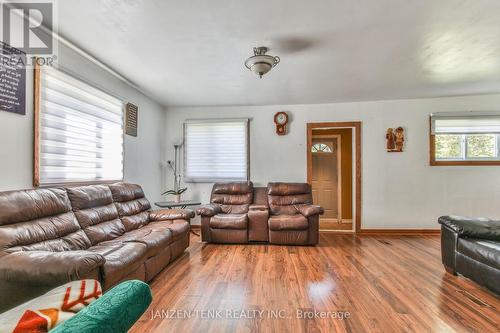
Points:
x=386, y=284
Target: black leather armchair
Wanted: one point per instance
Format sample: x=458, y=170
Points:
x=471, y=247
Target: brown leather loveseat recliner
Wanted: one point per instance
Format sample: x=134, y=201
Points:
x=106, y=232
x=282, y=213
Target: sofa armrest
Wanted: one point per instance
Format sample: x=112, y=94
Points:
x=115, y=311
x=46, y=267
x=258, y=208
x=209, y=210
x=258, y=217
x=310, y=210
x=170, y=214
x=449, y=240
x=483, y=228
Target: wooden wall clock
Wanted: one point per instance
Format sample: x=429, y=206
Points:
x=281, y=120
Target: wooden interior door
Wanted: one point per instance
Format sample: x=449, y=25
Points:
x=326, y=178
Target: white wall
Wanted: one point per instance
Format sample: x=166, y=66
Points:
x=142, y=153
x=399, y=190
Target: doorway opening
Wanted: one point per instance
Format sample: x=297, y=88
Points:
x=334, y=172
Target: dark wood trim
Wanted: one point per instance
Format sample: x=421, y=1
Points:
x=357, y=127
x=399, y=232
x=358, y=177
x=432, y=155
x=36, y=125
x=464, y=163
x=432, y=145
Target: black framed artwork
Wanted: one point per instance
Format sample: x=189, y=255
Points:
x=12, y=79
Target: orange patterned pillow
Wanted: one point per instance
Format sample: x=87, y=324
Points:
x=45, y=312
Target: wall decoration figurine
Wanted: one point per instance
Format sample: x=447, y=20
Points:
x=391, y=145
x=395, y=139
x=400, y=138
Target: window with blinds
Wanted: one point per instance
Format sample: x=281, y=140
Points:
x=80, y=131
x=216, y=150
x=469, y=137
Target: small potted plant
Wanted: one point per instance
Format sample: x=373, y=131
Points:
x=177, y=190
x=176, y=193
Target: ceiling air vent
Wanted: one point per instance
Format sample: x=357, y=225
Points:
x=131, y=118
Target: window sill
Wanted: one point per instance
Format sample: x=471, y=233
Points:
x=464, y=163
x=213, y=180
x=78, y=183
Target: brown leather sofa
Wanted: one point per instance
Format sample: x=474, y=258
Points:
x=106, y=232
x=471, y=247
x=282, y=213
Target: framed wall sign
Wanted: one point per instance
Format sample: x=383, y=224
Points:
x=12, y=79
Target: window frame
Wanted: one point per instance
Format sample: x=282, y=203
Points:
x=37, y=79
x=454, y=162
x=209, y=180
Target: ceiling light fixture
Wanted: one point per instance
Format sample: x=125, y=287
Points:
x=261, y=63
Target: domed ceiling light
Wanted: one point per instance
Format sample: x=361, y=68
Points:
x=261, y=63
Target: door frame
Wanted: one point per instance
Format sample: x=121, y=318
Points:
x=356, y=126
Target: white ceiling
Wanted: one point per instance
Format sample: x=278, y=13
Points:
x=192, y=52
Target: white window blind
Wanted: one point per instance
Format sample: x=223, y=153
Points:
x=465, y=122
x=466, y=136
x=81, y=131
x=216, y=150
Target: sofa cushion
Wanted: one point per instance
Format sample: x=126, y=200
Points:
x=233, y=188
x=156, y=238
x=90, y=196
x=121, y=260
x=288, y=222
x=96, y=213
x=179, y=228
x=41, y=220
x=45, y=268
x=232, y=198
x=74, y=240
x=485, y=251
x=229, y=221
x=22, y=206
x=133, y=208
x=284, y=198
x=284, y=189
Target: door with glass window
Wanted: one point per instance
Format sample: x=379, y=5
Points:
x=326, y=176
